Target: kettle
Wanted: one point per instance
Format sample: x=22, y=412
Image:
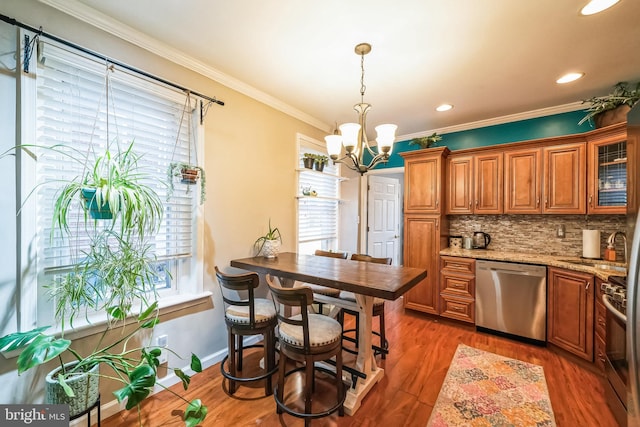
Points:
x=481, y=240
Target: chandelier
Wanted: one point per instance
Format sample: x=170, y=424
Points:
x=353, y=136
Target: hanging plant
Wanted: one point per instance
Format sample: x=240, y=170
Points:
x=188, y=172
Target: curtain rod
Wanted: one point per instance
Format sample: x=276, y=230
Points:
x=41, y=33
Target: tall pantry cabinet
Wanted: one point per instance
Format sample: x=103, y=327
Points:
x=425, y=225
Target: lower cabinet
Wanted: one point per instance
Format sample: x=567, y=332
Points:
x=570, y=311
x=457, y=288
x=422, y=242
x=600, y=350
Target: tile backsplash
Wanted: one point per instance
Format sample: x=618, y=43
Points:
x=537, y=233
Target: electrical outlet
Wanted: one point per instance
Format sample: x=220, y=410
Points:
x=163, y=341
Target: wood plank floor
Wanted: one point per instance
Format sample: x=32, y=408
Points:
x=421, y=349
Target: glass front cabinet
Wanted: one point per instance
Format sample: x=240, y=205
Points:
x=607, y=172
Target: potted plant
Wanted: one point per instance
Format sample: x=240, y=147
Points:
x=612, y=108
x=269, y=244
x=114, y=274
x=319, y=162
x=426, y=141
x=308, y=159
x=188, y=174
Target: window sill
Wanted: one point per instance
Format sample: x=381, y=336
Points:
x=167, y=306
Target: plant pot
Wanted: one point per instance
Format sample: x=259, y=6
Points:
x=271, y=248
x=318, y=166
x=91, y=204
x=610, y=117
x=189, y=176
x=85, y=386
x=308, y=162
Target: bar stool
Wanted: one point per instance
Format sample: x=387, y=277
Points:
x=247, y=316
x=323, y=290
x=378, y=311
x=306, y=337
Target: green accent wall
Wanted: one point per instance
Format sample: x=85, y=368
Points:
x=540, y=127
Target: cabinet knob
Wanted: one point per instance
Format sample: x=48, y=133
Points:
x=591, y=200
x=476, y=203
x=537, y=202
x=587, y=287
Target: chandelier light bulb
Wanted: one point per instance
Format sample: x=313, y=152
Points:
x=349, y=133
x=386, y=137
x=334, y=145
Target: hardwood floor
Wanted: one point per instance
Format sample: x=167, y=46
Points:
x=421, y=349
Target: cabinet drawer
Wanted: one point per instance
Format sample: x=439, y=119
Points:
x=600, y=358
x=459, y=265
x=457, y=308
x=457, y=285
x=601, y=320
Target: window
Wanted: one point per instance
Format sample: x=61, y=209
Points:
x=75, y=106
x=318, y=212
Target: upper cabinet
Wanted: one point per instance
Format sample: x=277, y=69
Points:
x=564, y=179
x=607, y=172
x=475, y=184
x=424, y=180
x=522, y=181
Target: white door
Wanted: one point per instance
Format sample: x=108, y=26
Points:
x=383, y=235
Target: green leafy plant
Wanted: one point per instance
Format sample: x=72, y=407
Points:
x=272, y=234
x=622, y=94
x=189, y=174
x=136, y=368
x=426, y=141
x=321, y=159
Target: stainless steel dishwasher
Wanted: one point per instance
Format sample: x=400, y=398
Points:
x=511, y=299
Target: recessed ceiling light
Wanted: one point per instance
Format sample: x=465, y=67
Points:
x=444, y=107
x=569, y=77
x=595, y=6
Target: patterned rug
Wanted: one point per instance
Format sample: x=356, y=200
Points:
x=485, y=389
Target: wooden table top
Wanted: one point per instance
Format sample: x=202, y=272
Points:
x=378, y=280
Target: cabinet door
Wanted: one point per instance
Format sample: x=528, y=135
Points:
x=522, y=180
x=607, y=177
x=460, y=185
x=571, y=306
x=565, y=179
x=423, y=184
x=421, y=248
x=488, y=185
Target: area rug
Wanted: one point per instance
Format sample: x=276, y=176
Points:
x=485, y=389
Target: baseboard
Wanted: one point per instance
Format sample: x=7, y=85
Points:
x=113, y=407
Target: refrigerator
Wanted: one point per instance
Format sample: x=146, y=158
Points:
x=633, y=273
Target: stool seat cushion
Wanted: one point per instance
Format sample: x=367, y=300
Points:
x=322, y=290
x=323, y=330
x=265, y=311
x=350, y=296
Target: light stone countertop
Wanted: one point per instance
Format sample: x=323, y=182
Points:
x=579, y=264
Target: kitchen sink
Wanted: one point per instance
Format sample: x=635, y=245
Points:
x=596, y=264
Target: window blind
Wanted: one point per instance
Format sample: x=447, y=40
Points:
x=75, y=109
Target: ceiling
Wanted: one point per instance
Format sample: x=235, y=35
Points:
x=490, y=58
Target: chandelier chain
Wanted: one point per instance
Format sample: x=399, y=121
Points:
x=362, y=86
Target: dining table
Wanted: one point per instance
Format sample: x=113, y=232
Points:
x=364, y=279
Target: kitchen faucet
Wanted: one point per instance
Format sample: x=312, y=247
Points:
x=612, y=239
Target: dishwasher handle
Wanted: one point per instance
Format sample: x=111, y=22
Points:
x=520, y=270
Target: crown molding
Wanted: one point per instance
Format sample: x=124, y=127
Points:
x=109, y=25
x=533, y=114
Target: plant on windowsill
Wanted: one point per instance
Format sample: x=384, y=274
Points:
x=115, y=275
x=320, y=161
x=308, y=159
x=426, y=141
x=612, y=108
x=189, y=174
x=269, y=244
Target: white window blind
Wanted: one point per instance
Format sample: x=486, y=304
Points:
x=72, y=109
x=318, y=216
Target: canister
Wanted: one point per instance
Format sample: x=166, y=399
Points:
x=455, y=242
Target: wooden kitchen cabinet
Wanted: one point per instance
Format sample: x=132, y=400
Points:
x=600, y=327
x=457, y=288
x=564, y=179
x=522, y=181
x=424, y=236
x=607, y=171
x=570, y=311
x=475, y=184
x=424, y=179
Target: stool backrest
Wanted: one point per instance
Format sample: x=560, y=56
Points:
x=342, y=255
x=243, y=282
x=298, y=297
x=368, y=258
